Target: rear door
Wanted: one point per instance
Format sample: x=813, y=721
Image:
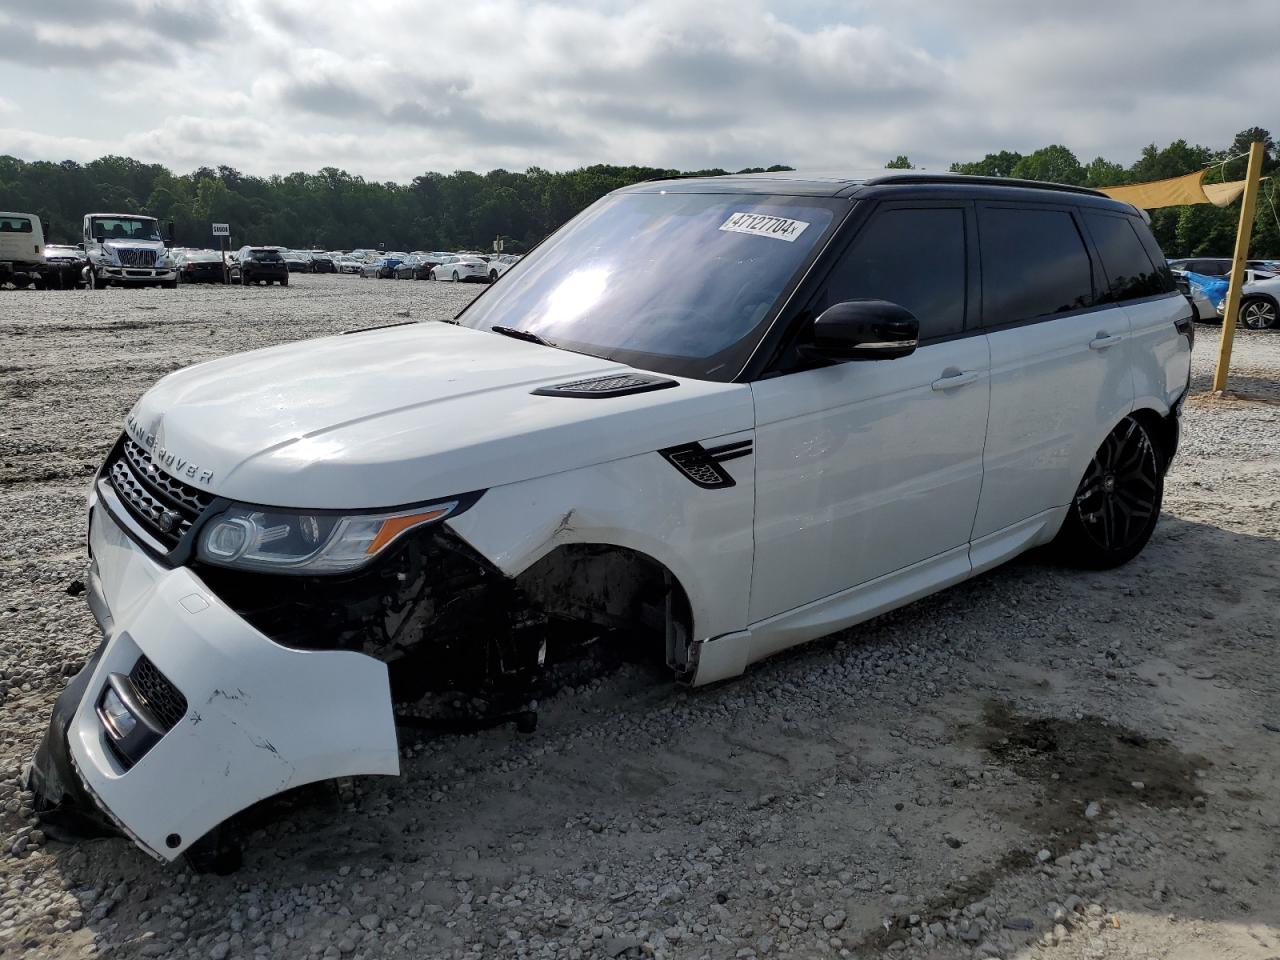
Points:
x=1156, y=353
x=864, y=468
x=1060, y=377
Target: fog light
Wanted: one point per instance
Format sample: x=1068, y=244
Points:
x=119, y=721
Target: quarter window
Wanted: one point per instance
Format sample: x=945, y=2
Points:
x=1034, y=264
x=912, y=257
x=1129, y=269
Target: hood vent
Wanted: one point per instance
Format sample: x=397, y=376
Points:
x=598, y=388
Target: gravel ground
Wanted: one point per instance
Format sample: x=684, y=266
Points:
x=1039, y=762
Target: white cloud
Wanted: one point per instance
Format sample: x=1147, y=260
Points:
x=300, y=84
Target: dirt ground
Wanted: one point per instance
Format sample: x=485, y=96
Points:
x=1039, y=762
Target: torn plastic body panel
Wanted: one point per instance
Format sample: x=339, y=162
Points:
x=249, y=717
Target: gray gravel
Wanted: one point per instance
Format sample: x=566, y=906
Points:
x=1038, y=762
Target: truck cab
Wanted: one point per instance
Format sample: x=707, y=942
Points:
x=21, y=248
x=127, y=249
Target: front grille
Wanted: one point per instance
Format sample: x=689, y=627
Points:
x=165, y=506
x=162, y=698
x=137, y=258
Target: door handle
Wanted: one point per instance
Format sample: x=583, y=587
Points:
x=953, y=381
x=1102, y=341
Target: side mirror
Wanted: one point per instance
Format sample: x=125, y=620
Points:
x=101, y=238
x=864, y=330
x=80, y=246
x=171, y=233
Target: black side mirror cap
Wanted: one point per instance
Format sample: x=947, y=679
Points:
x=864, y=330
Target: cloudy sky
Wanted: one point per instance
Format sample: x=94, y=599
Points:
x=391, y=89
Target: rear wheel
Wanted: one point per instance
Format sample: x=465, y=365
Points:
x=1116, y=506
x=493, y=275
x=455, y=276
x=1258, y=313
x=284, y=281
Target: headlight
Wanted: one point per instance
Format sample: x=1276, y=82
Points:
x=295, y=542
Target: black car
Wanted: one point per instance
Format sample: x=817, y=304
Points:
x=200, y=266
x=63, y=270
x=322, y=263
x=259, y=265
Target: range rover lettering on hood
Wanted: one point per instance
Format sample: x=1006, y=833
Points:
x=174, y=464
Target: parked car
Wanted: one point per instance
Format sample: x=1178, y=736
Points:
x=378, y=269
x=414, y=268
x=1259, y=300
x=63, y=267
x=200, y=266
x=463, y=267
x=322, y=263
x=348, y=264
x=252, y=265
x=501, y=264
x=297, y=261
x=716, y=418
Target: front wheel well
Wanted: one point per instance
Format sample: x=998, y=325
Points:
x=616, y=588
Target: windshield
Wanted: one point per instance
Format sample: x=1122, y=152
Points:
x=125, y=228
x=10, y=224
x=263, y=255
x=677, y=283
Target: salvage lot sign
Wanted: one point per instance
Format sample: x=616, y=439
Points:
x=222, y=229
x=762, y=225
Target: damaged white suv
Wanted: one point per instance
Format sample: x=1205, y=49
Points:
x=715, y=418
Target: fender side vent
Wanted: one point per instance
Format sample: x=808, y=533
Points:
x=702, y=464
x=597, y=388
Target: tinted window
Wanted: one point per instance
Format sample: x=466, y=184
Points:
x=15, y=225
x=1130, y=273
x=1034, y=264
x=912, y=257
x=1163, y=274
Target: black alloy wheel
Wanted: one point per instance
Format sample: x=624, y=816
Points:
x=1116, y=506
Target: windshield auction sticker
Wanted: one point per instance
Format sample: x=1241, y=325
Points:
x=761, y=225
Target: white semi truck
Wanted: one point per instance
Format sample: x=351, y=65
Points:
x=21, y=248
x=126, y=249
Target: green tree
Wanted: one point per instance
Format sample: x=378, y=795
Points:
x=900, y=162
x=1054, y=164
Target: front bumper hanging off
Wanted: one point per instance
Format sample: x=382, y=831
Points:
x=234, y=718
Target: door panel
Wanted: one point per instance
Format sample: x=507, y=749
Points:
x=864, y=468
x=1057, y=387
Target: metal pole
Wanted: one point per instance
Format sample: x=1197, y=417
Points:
x=1232, y=307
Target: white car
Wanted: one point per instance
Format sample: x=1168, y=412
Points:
x=1259, y=300
x=501, y=264
x=709, y=418
x=461, y=267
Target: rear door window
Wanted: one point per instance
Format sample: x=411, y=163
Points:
x=1034, y=264
x=1130, y=272
x=914, y=257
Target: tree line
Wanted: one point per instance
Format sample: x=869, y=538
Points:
x=333, y=209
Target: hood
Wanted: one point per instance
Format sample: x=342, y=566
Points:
x=124, y=243
x=407, y=414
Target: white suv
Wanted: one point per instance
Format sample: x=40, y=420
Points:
x=716, y=417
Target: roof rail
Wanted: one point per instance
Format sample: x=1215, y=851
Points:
x=918, y=177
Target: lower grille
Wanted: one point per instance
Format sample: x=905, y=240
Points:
x=165, y=506
x=162, y=698
x=137, y=258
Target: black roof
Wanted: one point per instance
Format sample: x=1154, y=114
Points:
x=878, y=183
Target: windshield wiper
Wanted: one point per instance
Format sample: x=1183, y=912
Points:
x=515, y=334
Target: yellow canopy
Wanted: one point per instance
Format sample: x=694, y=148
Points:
x=1177, y=192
